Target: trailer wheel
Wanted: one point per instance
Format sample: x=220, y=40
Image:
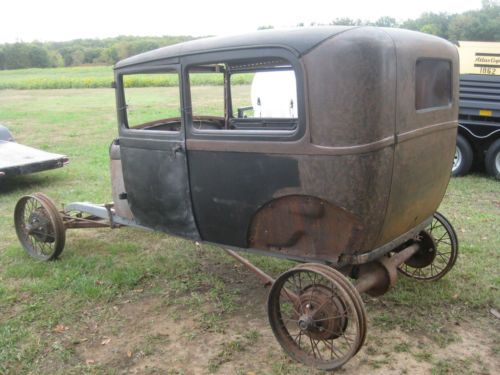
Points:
x=39, y=227
x=463, y=157
x=492, y=160
x=317, y=316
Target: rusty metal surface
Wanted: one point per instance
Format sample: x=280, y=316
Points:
x=379, y=166
x=437, y=254
x=352, y=139
x=264, y=277
x=306, y=226
x=229, y=189
x=156, y=180
x=351, y=88
x=421, y=174
x=354, y=259
x=73, y=222
x=376, y=278
x=422, y=163
x=298, y=41
x=39, y=226
x=117, y=185
x=324, y=323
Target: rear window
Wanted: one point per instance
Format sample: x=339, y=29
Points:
x=432, y=83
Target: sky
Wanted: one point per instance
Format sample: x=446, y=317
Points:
x=60, y=20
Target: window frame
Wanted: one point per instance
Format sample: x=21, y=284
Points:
x=433, y=108
x=122, y=114
x=190, y=61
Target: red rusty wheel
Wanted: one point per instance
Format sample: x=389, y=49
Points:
x=39, y=227
x=350, y=288
x=438, y=252
x=315, y=315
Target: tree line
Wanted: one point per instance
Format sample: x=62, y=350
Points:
x=80, y=51
x=477, y=25
x=473, y=25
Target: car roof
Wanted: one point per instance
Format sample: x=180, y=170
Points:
x=298, y=40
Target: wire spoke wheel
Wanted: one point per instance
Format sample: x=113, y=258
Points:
x=317, y=316
x=438, y=252
x=39, y=227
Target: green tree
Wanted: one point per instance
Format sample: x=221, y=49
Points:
x=90, y=54
x=2, y=58
x=386, y=22
x=77, y=57
x=17, y=56
x=481, y=25
x=38, y=56
x=56, y=60
x=344, y=21
x=432, y=23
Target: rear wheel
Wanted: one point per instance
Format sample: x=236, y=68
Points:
x=492, y=160
x=39, y=227
x=437, y=254
x=463, y=157
x=317, y=316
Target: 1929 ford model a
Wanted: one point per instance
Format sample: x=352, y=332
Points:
x=345, y=170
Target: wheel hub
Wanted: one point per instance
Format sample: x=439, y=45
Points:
x=39, y=226
x=426, y=253
x=306, y=322
x=322, y=317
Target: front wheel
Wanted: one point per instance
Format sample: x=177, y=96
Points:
x=39, y=227
x=492, y=160
x=463, y=157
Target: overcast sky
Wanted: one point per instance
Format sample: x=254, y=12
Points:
x=58, y=20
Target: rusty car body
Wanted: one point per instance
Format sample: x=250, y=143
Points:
x=348, y=180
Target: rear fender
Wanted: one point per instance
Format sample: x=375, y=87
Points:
x=304, y=226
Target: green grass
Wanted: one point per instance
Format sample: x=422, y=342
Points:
x=97, y=77
x=100, y=268
x=54, y=78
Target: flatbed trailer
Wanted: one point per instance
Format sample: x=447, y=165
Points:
x=17, y=159
x=478, y=138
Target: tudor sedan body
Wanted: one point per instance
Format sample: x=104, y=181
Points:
x=331, y=146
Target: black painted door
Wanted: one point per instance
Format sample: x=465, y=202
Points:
x=153, y=154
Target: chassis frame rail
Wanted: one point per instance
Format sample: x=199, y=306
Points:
x=98, y=216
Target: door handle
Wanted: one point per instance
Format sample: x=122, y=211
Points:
x=175, y=150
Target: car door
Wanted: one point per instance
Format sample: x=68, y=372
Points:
x=232, y=172
x=153, y=151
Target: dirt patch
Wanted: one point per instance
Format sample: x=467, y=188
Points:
x=146, y=335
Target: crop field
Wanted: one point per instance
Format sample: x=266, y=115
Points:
x=126, y=301
x=94, y=77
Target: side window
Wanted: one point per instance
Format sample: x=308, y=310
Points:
x=249, y=95
x=207, y=92
x=432, y=83
x=153, y=101
x=273, y=94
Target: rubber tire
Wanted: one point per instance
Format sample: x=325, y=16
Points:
x=489, y=160
x=467, y=156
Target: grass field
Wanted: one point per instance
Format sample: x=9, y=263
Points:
x=95, y=77
x=129, y=301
